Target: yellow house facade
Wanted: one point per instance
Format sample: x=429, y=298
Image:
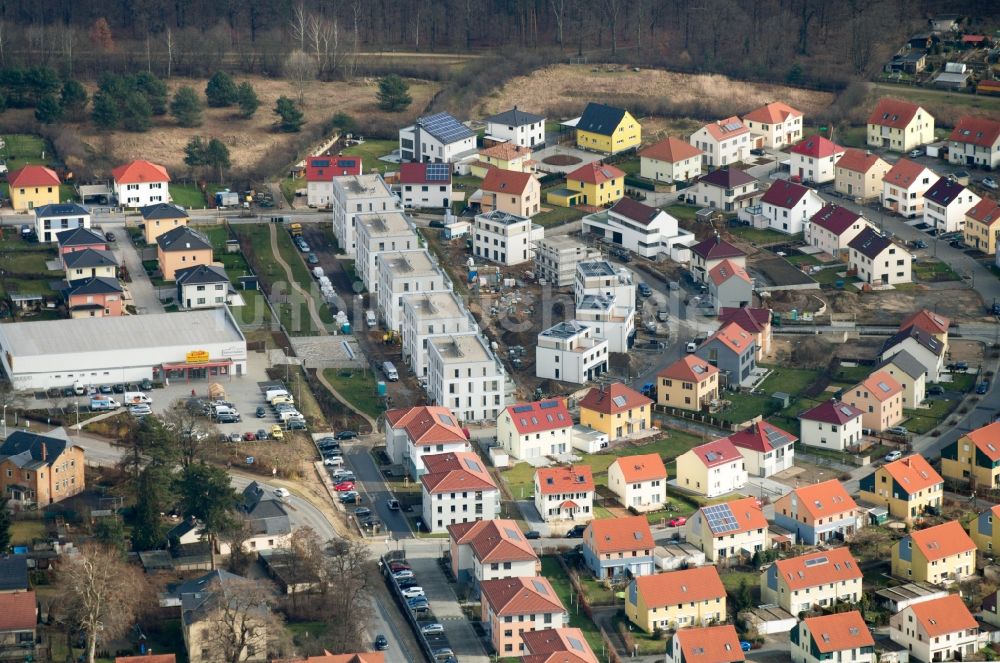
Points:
x=984, y=530
x=908, y=488
x=607, y=129
x=974, y=458
x=505, y=156
x=593, y=184
x=939, y=554
x=982, y=225
x=679, y=599
x=617, y=411
x=899, y=126
x=160, y=218
x=33, y=186
x=690, y=383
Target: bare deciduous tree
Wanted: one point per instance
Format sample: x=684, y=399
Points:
x=300, y=69
x=101, y=594
x=349, y=572
x=239, y=621
x=298, y=25
x=170, y=50
x=559, y=12
x=324, y=41
x=191, y=434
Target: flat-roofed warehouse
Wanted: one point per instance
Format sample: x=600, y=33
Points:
x=190, y=345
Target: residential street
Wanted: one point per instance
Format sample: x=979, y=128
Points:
x=143, y=295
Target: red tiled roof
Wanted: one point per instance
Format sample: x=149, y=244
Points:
x=595, y=173
x=498, y=180
x=823, y=499
x=456, y=471
x=564, y=479
x=32, y=176
x=928, y=321
x=427, y=424
x=689, y=368
x=670, y=150
x=717, y=452
x=893, y=113
x=644, y=467
x=817, y=147
x=942, y=541
x=540, y=416
x=18, y=611
x=715, y=247
x=710, y=644
x=881, y=385
x=835, y=218
x=690, y=585
x=858, y=161
x=784, y=193
x=733, y=337
x=505, y=151
x=947, y=614
x=752, y=320
x=493, y=541
x=913, y=473
x=976, y=131
x=839, y=632
x=986, y=211
x=973, y=39
x=325, y=657
x=904, y=173
x=550, y=641
x=726, y=270
x=615, y=398
x=325, y=168
x=775, y=112
x=762, y=437
x=140, y=171
x=807, y=571
x=987, y=440
x=721, y=130
x=520, y=596
x=832, y=412
x=612, y=535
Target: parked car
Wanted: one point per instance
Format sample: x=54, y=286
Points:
x=381, y=643
x=744, y=645
x=235, y=437
x=249, y=436
x=281, y=492
x=277, y=433
x=333, y=461
x=677, y=521
x=983, y=387
x=393, y=504
x=919, y=244
x=758, y=151
x=261, y=434
x=893, y=455
x=958, y=366
x=913, y=155
x=327, y=443
x=434, y=627
x=139, y=410
x=105, y=389
x=935, y=390
x=312, y=259
x=260, y=412
x=362, y=511
x=402, y=574
x=413, y=592
x=349, y=496
x=532, y=534
x=691, y=347
x=576, y=532
x=345, y=435
x=989, y=183
x=417, y=601
x=898, y=430
x=296, y=424
x=344, y=486
x=110, y=237
x=399, y=566
x=406, y=583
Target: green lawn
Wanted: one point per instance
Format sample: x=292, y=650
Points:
x=370, y=151
x=577, y=618
x=936, y=97
x=24, y=532
x=791, y=381
x=288, y=187
x=933, y=270
x=24, y=149
x=764, y=236
x=681, y=212
x=556, y=216
x=254, y=313
x=188, y=196
x=358, y=387
x=803, y=259
x=629, y=166
x=853, y=136
x=963, y=382
x=645, y=643
x=234, y=263
x=923, y=420
x=732, y=580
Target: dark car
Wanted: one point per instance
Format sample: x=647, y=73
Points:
x=118, y=388
x=261, y=412
x=296, y=424
x=110, y=237
x=956, y=244
x=935, y=390
x=758, y=152
x=312, y=259
x=983, y=387
x=920, y=244
x=362, y=511
x=958, y=366
x=532, y=534
x=393, y=504
x=645, y=290
x=327, y=443
x=146, y=385
x=345, y=435
x=68, y=391
x=437, y=224
x=576, y=532
x=381, y=643
x=261, y=434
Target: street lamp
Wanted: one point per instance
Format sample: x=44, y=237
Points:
x=286, y=365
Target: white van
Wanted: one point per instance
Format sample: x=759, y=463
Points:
x=390, y=371
x=284, y=417
x=370, y=319
x=271, y=394
x=134, y=397
x=318, y=272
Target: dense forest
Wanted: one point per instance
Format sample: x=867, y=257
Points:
x=813, y=42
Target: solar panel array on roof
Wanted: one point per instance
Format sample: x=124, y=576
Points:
x=732, y=126
x=345, y=163
x=720, y=518
x=438, y=172
x=816, y=561
x=777, y=438
x=539, y=587
x=321, y=163
x=445, y=128
x=547, y=405
x=473, y=465
x=446, y=420
x=619, y=401
x=522, y=408
x=575, y=644
x=884, y=387
x=846, y=411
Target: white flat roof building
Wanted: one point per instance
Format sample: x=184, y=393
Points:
x=600, y=277
x=505, y=238
x=427, y=316
x=569, y=352
x=611, y=320
x=358, y=194
x=376, y=233
x=556, y=258
x=402, y=273
x=465, y=376
x=204, y=343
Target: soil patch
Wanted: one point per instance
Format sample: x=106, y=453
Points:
x=561, y=160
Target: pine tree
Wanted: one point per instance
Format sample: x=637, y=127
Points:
x=105, y=112
x=154, y=89
x=186, y=107
x=74, y=99
x=393, y=94
x=221, y=90
x=136, y=114
x=247, y=100
x=290, y=117
x=194, y=152
x=48, y=110
x=217, y=157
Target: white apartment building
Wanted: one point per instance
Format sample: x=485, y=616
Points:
x=601, y=278
x=831, y=425
x=814, y=159
x=938, y=630
x=378, y=233
x=505, y=238
x=354, y=195
x=50, y=220
x=647, y=231
x=556, y=259
x=723, y=143
x=140, y=183
x=611, y=320
x=438, y=138
x=427, y=316
x=457, y=488
x=946, y=203
x=788, y=206
x=570, y=352
x=402, y=273
x=465, y=376
x=518, y=127
x=535, y=430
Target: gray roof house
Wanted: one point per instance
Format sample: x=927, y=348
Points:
x=924, y=347
x=89, y=259
x=202, y=286
x=733, y=351
x=183, y=238
x=266, y=515
x=910, y=374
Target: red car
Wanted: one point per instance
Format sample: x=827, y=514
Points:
x=249, y=437
x=399, y=566
x=678, y=521
x=344, y=486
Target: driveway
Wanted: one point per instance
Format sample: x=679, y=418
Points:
x=373, y=486
x=143, y=294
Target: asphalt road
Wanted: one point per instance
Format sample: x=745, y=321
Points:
x=372, y=485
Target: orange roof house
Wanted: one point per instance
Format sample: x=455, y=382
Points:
x=909, y=487
x=490, y=549
x=616, y=410
x=829, y=635
x=456, y=471
x=140, y=170
x=775, y=125
x=880, y=399
x=671, y=159
x=325, y=657
x=775, y=112
x=644, y=467
x=818, y=513
x=616, y=547
x=527, y=601
x=943, y=553
x=981, y=226
x=709, y=644
x=412, y=433
x=935, y=630
x=510, y=191
x=457, y=488
x=732, y=350
x=819, y=578
x=680, y=598
x=858, y=161
x=689, y=383
x=893, y=113
x=141, y=183
x=670, y=150
x=557, y=645
x=974, y=458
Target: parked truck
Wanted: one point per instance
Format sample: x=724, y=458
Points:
x=136, y=397
x=103, y=403
x=227, y=198
x=295, y=229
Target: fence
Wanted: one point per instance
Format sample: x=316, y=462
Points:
x=583, y=604
x=708, y=420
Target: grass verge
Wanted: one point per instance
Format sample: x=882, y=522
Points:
x=358, y=387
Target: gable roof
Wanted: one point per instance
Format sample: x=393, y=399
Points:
x=13, y=572
x=839, y=632
x=709, y=644
x=643, y=467
x=18, y=611
x=539, y=416
x=986, y=211
x=520, y=596
x=690, y=368
x=835, y=219
x=183, y=238
x=823, y=499
x=611, y=535
x=600, y=119
x=818, y=568
x=869, y=243
x=30, y=451
x=670, y=150
x=944, y=191
x=904, y=173
x=421, y=173
x=89, y=258
x=445, y=128
x=60, y=209
x=162, y=211
x=140, y=171
x=493, y=541
x=716, y=452
x=505, y=151
x=697, y=584
x=785, y=194
x=733, y=337
x=545, y=642
x=595, y=173
x=742, y=514
x=762, y=437
x=923, y=338
x=987, y=440
x=941, y=541
x=727, y=178
x=613, y=399
x=775, y=112
x=817, y=147
x=80, y=236
x=32, y=176
x=498, y=180
x=947, y=614
x=913, y=473
x=564, y=478
x=715, y=248
x=455, y=471
x=977, y=131
x=95, y=285
x=832, y=412
x=636, y=211
x=726, y=270
x=906, y=363
x=858, y=161
x=892, y=113
x=881, y=386
x=264, y=511
x=325, y=168
x=753, y=320
x=727, y=128
x=930, y=321
x=201, y=274
x=515, y=117
x=427, y=424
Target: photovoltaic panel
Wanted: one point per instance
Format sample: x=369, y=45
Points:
x=438, y=172
x=721, y=519
x=445, y=128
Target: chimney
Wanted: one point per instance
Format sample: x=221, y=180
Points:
x=44, y=452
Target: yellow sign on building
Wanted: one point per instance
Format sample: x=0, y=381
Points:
x=197, y=357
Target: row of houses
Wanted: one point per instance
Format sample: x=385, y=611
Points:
x=135, y=184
